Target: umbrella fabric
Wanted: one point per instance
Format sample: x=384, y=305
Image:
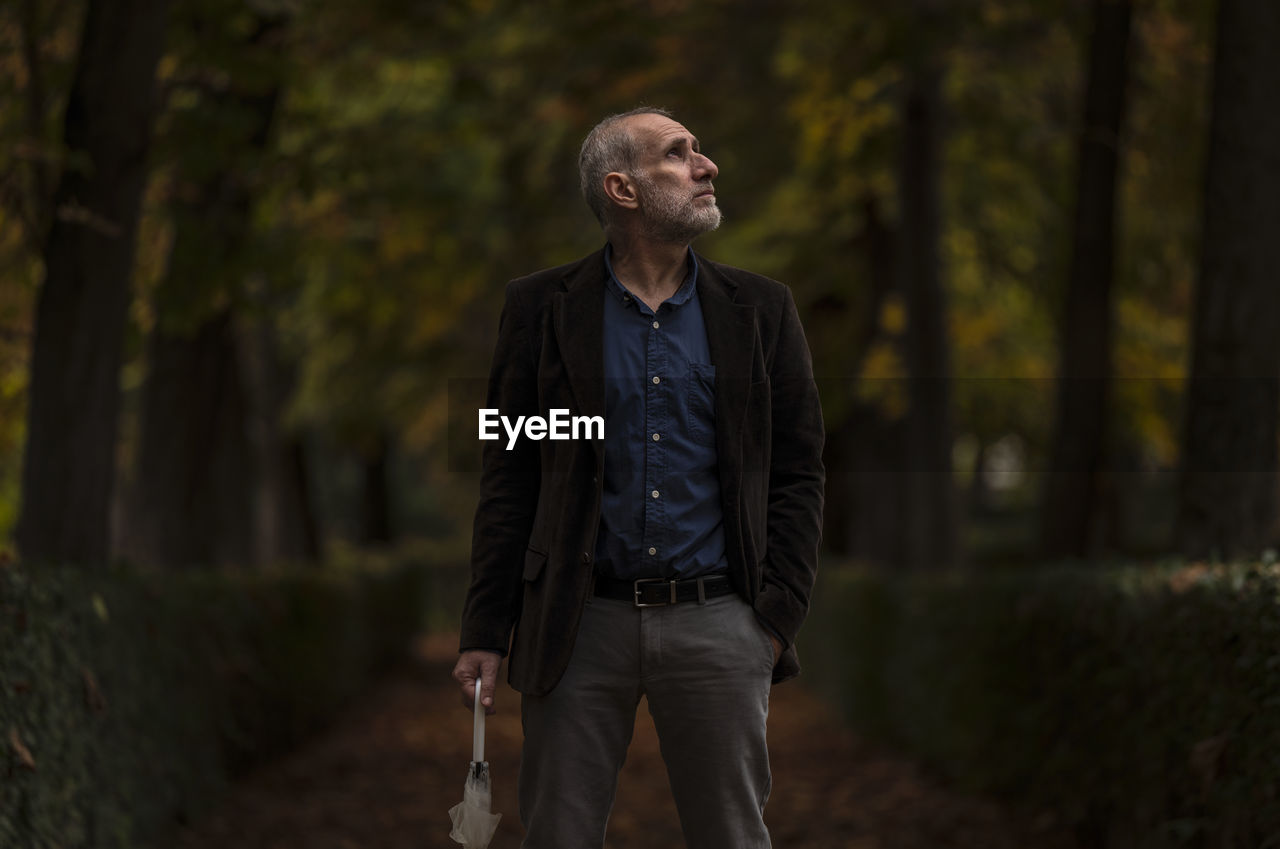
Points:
x=473, y=825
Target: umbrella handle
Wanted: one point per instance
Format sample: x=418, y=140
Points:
x=477, y=730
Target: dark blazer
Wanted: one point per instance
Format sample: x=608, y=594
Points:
x=535, y=527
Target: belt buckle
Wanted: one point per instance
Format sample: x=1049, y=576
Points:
x=664, y=603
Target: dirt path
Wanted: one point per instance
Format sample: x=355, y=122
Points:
x=384, y=777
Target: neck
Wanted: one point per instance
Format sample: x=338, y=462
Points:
x=653, y=271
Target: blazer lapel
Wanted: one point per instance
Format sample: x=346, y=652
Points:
x=578, y=319
x=731, y=336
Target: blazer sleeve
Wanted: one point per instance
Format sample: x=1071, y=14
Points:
x=796, y=482
x=509, y=486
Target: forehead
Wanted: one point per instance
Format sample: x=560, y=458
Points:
x=653, y=130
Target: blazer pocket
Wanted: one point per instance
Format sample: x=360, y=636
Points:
x=534, y=561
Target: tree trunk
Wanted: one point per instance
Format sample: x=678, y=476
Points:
x=190, y=503
x=1227, y=500
x=875, y=489
x=854, y=442
x=375, y=509
x=35, y=214
x=930, y=526
x=69, y=465
x=1071, y=499
x=301, y=537
x=978, y=502
x=210, y=462
x=285, y=525
x=192, y=498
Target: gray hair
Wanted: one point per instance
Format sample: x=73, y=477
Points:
x=609, y=147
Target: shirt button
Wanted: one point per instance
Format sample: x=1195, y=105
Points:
x=656, y=437
x=655, y=325
x=586, y=557
x=655, y=493
x=656, y=379
x=653, y=551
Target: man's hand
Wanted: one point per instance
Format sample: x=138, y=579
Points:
x=482, y=665
x=777, y=649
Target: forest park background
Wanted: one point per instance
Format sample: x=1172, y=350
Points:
x=992, y=215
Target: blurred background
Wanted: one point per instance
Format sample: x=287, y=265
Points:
x=969, y=199
x=252, y=256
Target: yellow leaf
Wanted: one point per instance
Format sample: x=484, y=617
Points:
x=100, y=608
x=23, y=753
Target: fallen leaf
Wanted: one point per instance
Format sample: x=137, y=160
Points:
x=93, y=697
x=23, y=753
x=1205, y=758
x=100, y=608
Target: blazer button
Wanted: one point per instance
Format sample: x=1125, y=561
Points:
x=586, y=557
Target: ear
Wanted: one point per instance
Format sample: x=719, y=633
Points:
x=620, y=189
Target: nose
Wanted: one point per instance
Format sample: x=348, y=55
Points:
x=704, y=168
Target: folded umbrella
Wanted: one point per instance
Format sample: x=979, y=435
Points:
x=473, y=824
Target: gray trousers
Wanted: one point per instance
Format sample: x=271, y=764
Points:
x=705, y=670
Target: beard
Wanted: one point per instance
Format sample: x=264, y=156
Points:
x=672, y=217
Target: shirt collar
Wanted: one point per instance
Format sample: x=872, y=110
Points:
x=683, y=294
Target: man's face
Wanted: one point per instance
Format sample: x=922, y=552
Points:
x=673, y=181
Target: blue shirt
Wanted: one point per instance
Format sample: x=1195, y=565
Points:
x=661, y=513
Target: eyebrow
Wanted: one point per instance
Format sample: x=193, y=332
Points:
x=687, y=140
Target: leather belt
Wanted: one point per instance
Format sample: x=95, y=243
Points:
x=659, y=592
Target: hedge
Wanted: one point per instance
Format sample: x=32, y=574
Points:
x=1139, y=705
x=129, y=701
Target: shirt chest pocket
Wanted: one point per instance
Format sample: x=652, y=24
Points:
x=700, y=402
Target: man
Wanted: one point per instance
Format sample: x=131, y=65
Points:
x=674, y=557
